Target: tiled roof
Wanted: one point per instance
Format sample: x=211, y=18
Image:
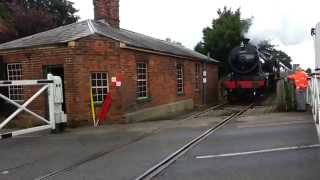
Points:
x=86, y=28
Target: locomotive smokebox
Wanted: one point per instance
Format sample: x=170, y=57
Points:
x=244, y=59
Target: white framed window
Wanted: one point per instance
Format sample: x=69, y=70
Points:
x=14, y=72
x=142, y=80
x=197, y=76
x=180, y=83
x=99, y=86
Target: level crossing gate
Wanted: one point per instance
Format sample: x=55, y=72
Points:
x=313, y=93
x=53, y=86
x=313, y=96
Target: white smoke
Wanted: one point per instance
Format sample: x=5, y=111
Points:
x=287, y=32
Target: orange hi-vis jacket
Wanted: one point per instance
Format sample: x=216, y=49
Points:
x=300, y=80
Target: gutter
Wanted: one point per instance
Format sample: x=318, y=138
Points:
x=125, y=46
x=17, y=50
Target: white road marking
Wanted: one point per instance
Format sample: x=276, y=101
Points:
x=259, y=152
x=272, y=124
x=4, y=172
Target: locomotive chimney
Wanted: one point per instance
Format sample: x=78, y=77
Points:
x=108, y=11
x=246, y=41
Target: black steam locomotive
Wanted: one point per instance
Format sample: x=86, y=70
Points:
x=252, y=73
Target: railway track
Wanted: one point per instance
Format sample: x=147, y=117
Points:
x=198, y=114
x=169, y=160
x=106, y=152
x=152, y=172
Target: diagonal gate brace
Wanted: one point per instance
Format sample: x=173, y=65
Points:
x=54, y=86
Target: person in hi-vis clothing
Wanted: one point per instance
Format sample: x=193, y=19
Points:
x=300, y=79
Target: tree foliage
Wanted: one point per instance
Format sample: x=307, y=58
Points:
x=61, y=11
x=274, y=54
x=308, y=70
x=225, y=33
x=20, y=18
x=6, y=31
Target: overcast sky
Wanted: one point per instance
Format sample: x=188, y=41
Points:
x=286, y=23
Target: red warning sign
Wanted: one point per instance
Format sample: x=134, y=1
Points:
x=116, y=81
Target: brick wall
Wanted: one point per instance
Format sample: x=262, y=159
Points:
x=107, y=10
x=162, y=82
x=99, y=54
x=33, y=60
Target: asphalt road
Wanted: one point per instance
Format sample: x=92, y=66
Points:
x=235, y=142
x=110, y=152
x=125, y=151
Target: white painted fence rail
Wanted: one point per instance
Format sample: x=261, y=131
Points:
x=53, y=85
x=313, y=95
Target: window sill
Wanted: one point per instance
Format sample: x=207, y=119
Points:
x=180, y=94
x=144, y=99
x=98, y=104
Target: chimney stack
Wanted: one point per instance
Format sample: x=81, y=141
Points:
x=107, y=10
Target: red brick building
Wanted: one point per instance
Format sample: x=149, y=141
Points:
x=158, y=77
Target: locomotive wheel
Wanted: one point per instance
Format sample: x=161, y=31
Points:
x=231, y=97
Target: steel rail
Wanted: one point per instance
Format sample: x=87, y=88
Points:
x=198, y=114
x=100, y=154
x=156, y=169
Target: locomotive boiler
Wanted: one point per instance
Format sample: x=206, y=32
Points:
x=250, y=75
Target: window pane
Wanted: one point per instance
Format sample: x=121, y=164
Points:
x=99, y=83
x=100, y=91
x=14, y=72
x=104, y=83
x=141, y=80
x=94, y=92
x=93, y=76
x=179, y=78
x=94, y=83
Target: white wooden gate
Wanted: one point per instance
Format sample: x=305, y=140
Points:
x=53, y=85
x=313, y=94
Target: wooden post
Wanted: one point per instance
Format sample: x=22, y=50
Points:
x=280, y=96
x=285, y=96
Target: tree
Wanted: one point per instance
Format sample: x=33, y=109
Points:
x=224, y=34
x=20, y=18
x=309, y=71
x=62, y=11
x=274, y=54
x=6, y=32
